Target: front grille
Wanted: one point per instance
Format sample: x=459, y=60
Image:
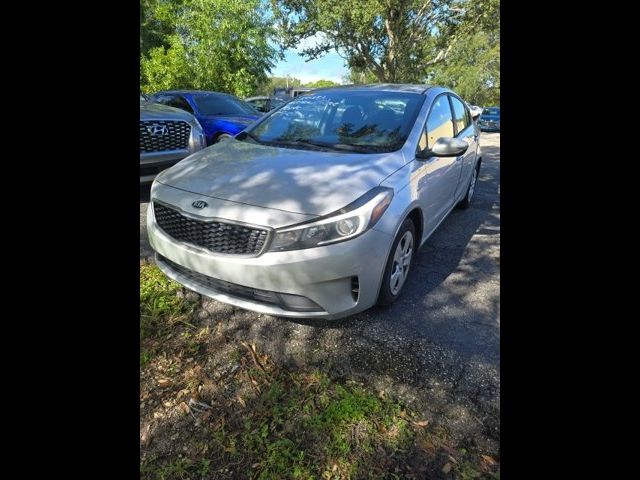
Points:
x=215, y=236
x=163, y=135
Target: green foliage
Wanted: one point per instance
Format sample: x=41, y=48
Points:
x=303, y=423
x=395, y=41
x=221, y=45
x=357, y=76
x=160, y=303
x=322, y=84
x=472, y=70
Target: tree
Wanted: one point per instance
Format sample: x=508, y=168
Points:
x=359, y=76
x=222, y=45
x=321, y=84
x=395, y=40
x=472, y=70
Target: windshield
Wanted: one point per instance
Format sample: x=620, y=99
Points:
x=222, y=105
x=356, y=121
x=491, y=111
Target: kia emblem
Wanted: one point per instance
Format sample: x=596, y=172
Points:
x=199, y=204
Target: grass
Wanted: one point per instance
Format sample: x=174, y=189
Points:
x=160, y=303
x=303, y=426
x=264, y=421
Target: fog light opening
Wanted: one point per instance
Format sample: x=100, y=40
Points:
x=355, y=288
x=298, y=303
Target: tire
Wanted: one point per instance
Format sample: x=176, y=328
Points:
x=468, y=197
x=223, y=136
x=391, y=290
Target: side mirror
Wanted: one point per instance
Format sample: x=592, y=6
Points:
x=444, y=147
x=476, y=115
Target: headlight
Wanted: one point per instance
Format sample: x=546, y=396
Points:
x=198, y=139
x=346, y=223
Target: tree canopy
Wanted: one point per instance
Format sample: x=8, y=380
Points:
x=397, y=41
x=232, y=45
x=223, y=45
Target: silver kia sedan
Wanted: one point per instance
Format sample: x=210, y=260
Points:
x=318, y=208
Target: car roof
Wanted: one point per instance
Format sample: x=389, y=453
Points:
x=193, y=92
x=382, y=87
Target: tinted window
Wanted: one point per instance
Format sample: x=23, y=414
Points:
x=178, y=102
x=259, y=104
x=370, y=121
x=459, y=114
x=163, y=99
x=276, y=102
x=222, y=105
x=439, y=123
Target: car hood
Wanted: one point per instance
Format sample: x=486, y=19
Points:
x=156, y=111
x=297, y=181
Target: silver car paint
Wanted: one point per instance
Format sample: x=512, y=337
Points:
x=280, y=187
x=300, y=181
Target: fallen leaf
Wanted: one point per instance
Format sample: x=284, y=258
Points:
x=164, y=382
x=421, y=423
x=241, y=401
x=446, y=468
x=489, y=459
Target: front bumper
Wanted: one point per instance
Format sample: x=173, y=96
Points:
x=489, y=127
x=324, y=275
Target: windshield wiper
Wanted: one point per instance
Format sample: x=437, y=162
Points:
x=324, y=146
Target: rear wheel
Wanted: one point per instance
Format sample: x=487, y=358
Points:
x=398, y=264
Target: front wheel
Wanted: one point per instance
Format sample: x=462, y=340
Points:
x=223, y=136
x=398, y=264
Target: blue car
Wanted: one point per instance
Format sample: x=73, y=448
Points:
x=221, y=115
x=489, y=121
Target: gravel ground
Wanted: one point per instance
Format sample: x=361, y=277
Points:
x=437, y=348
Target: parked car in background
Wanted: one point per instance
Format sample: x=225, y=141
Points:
x=220, y=114
x=265, y=104
x=167, y=135
x=317, y=209
x=290, y=92
x=300, y=91
x=489, y=121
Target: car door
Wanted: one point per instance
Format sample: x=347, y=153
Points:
x=465, y=130
x=437, y=176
